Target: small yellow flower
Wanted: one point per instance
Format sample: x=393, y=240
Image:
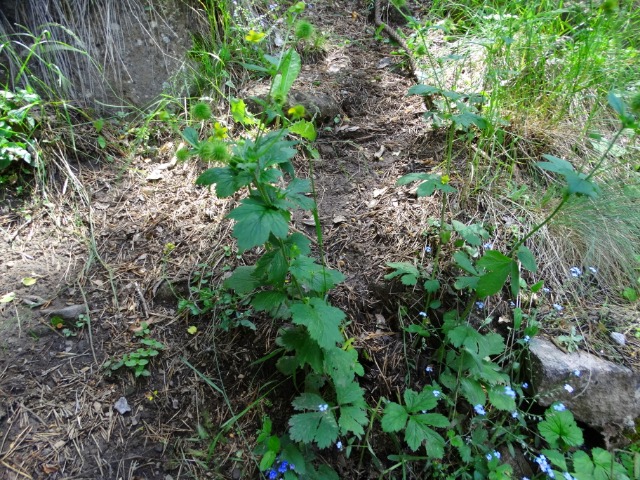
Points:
x=168, y=248
x=445, y=179
x=296, y=112
x=192, y=330
x=254, y=37
x=220, y=132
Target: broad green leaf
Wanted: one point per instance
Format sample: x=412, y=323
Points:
x=314, y=277
x=498, y=267
x=556, y=458
x=352, y=419
x=432, y=286
x=291, y=454
x=419, y=401
x=242, y=280
x=463, y=261
x=350, y=393
x=466, y=282
x=582, y=464
x=473, y=234
x=321, y=319
x=191, y=136
x=226, y=180
x=319, y=427
x=288, y=71
x=500, y=400
x=416, y=434
x=305, y=129
x=433, y=420
x=394, y=417
x=556, y=165
x=342, y=365
x=307, y=350
x=466, y=119
x=472, y=390
x=267, y=459
x=407, y=272
x=463, y=449
x=423, y=90
x=295, y=193
x=412, y=177
x=256, y=221
x=268, y=300
x=239, y=112
x=616, y=103
x=308, y=401
x=527, y=259
x=536, y=287
x=606, y=467
x=578, y=184
x=560, y=429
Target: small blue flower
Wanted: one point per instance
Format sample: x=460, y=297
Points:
x=429, y=369
x=512, y=304
x=546, y=290
x=575, y=272
x=437, y=393
x=558, y=307
x=292, y=466
x=479, y=305
x=577, y=373
x=487, y=246
x=526, y=339
x=323, y=407
x=568, y=388
x=509, y=392
x=515, y=414
x=283, y=466
x=422, y=314
x=427, y=249
x=525, y=385
x=273, y=474
x=593, y=270
x=339, y=445
x=489, y=457
x=559, y=407
x=479, y=409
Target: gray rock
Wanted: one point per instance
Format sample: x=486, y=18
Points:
x=599, y=393
x=122, y=406
x=72, y=312
x=619, y=338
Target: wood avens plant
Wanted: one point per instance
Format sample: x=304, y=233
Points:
x=286, y=282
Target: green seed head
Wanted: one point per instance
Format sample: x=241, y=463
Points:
x=182, y=154
x=213, y=151
x=201, y=111
x=304, y=30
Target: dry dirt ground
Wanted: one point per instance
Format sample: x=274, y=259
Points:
x=103, y=238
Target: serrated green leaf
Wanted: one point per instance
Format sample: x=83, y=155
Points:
x=242, y=280
x=351, y=420
x=322, y=321
x=582, y=464
x=267, y=460
x=305, y=129
x=308, y=401
x=256, y=221
x=560, y=428
x=463, y=449
x=319, y=427
x=466, y=282
x=408, y=272
x=295, y=194
x=464, y=262
x=500, y=400
x=419, y=401
x=416, y=434
x=433, y=420
x=473, y=234
x=394, y=417
x=342, y=365
x=527, y=259
x=556, y=458
x=307, y=350
x=432, y=286
x=239, y=112
x=498, y=267
x=224, y=179
x=556, y=165
x=313, y=276
x=265, y=301
x=291, y=454
x=472, y=390
x=350, y=393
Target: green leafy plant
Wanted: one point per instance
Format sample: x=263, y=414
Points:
x=571, y=341
x=18, y=122
x=137, y=361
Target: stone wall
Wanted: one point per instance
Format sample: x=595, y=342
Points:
x=135, y=49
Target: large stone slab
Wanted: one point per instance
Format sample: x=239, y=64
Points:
x=602, y=394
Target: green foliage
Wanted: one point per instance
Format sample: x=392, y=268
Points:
x=19, y=113
x=137, y=361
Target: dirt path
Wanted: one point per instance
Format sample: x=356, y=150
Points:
x=141, y=243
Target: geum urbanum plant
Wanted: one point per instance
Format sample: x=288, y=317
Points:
x=286, y=282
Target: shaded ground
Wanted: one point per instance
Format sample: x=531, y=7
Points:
x=139, y=246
